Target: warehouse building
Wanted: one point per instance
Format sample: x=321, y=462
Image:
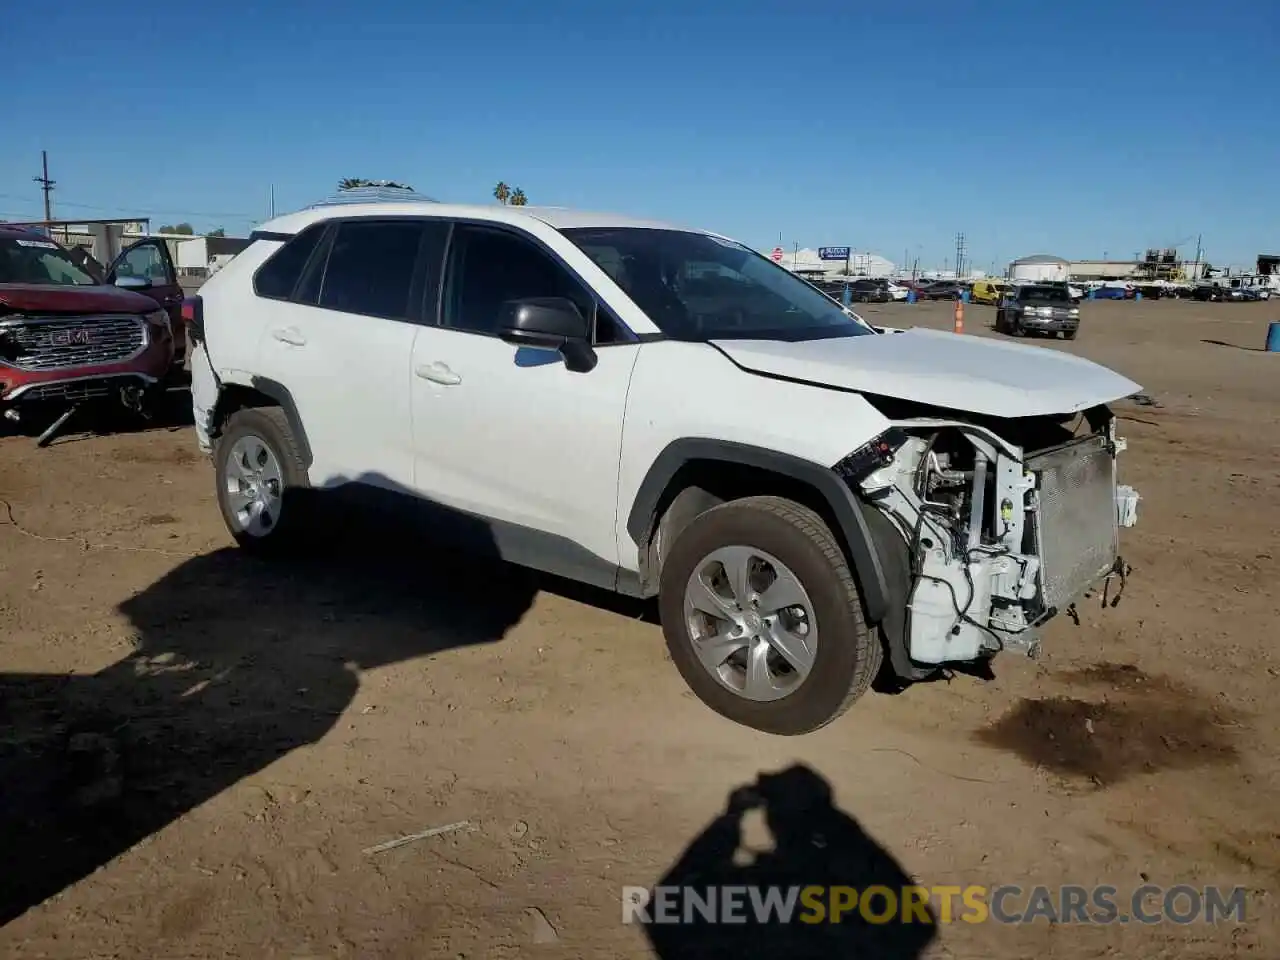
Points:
x=806, y=262
x=1040, y=268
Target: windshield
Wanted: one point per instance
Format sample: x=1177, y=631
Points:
x=39, y=261
x=697, y=287
x=1051, y=294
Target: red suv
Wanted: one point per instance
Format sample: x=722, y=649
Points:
x=69, y=334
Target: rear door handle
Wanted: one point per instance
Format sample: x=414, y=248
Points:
x=290, y=335
x=437, y=373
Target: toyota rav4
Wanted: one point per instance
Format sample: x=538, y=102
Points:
x=663, y=412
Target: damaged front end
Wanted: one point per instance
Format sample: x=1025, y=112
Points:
x=1006, y=524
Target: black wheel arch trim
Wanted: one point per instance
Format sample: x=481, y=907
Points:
x=844, y=505
x=277, y=391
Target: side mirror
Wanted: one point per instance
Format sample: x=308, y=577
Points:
x=550, y=323
x=133, y=283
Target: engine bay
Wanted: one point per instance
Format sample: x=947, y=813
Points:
x=1001, y=536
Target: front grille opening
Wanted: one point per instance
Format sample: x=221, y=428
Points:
x=57, y=343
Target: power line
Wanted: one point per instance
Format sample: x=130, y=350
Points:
x=139, y=210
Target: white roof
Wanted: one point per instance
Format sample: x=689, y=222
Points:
x=556, y=217
x=1041, y=258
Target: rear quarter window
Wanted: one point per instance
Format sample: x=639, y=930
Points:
x=278, y=277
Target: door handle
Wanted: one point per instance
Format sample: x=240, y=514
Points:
x=437, y=373
x=290, y=335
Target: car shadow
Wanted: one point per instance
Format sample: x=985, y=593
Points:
x=237, y=662
x=1223, y=343
x=814, y=844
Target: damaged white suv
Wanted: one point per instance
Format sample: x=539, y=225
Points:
x=664, y=412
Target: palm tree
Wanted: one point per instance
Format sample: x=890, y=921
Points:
x=351, y=183
x=502, y=193
x=518, y=199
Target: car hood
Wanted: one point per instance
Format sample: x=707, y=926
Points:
x=101, y=298
x=966, y=373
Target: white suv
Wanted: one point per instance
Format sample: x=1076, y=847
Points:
x=663, y=412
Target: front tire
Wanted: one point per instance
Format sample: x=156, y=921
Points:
x=763, y=618
x=260, y=479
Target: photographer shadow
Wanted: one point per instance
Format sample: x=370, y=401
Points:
x=815, y=844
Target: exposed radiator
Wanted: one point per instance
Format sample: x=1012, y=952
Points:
x=1077, y=533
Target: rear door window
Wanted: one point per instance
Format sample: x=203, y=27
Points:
x=370, y=270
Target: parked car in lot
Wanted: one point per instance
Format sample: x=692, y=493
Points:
x=510, y=373
x=864, y=290
x=939, y=290
x=1039, y=308
x=1111, y=291
x=67, y=336
x=988, y=291
x=1215, y=293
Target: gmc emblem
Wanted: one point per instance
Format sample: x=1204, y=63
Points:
x=68, y=338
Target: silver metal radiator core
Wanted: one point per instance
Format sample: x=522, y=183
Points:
x=1077, y=533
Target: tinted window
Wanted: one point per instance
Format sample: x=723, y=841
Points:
x=370, y=268
x=279, y=275
x=491, y=267
x=698, y=287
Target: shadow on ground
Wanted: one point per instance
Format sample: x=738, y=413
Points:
x=170, y=411
x=1223, y=343
x=238, y=662
x=814, y=843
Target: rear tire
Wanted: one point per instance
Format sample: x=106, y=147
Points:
x=781, y=544
x=1069, y=335
x=261, y=480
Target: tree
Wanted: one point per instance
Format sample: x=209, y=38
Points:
x=518, y=199
x=178, y=228
x=502, y=193
x=220, y=232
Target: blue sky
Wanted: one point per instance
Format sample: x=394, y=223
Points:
x=1071, y=128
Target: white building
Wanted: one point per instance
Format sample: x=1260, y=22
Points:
x=1041, y=268
x=807, y=261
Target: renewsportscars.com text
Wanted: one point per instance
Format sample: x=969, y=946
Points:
x=1011, y=904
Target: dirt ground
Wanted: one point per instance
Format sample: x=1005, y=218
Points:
x=196, y=748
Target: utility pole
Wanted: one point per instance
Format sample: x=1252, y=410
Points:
x=960, y=252
x=47, y=186
x=273, y=201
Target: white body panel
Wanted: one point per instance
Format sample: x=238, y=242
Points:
x=349, y=378
x=513, y=435
x=681, y=390
x=942, y=369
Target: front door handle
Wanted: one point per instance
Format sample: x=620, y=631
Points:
x=290, y=335
x=437, y=373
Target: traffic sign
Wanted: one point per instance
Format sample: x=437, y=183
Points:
x=833, y=253
x=776, y=256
